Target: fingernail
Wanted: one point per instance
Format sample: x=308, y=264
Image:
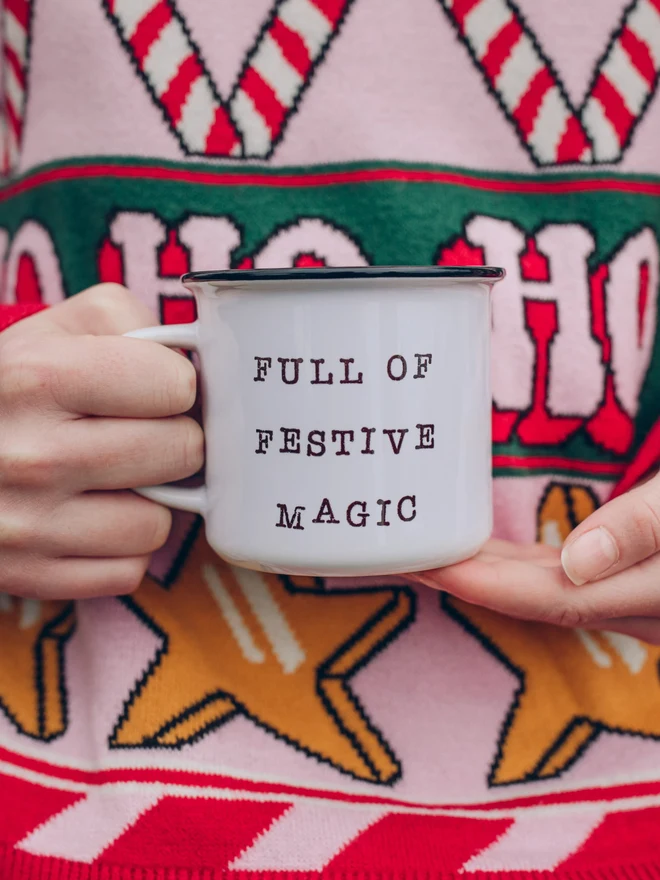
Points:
x=589, y=556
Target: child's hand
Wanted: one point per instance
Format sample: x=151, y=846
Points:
x=85, y=415
x=610, y=578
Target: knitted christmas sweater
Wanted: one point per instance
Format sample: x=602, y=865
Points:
x=371, y=729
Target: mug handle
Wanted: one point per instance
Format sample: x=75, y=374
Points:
x=174, y=336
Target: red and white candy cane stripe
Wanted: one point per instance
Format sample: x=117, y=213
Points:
x=16, y=16
x=279, y=67
x=156, y=36
x=625, y=80
x=520, y=75
x=532, y=95
x=277, y=70
x=249, y=123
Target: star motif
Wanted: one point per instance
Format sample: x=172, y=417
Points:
x=573, y=684
x=32, y=687
x=276, y=651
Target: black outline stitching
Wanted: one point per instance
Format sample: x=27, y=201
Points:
x=164, y=298
x=607, y=261
x=178, y=243
x=577, y=112
x=453, y=612
x=116, y=24
x=557, y=81
x=598, y=727
x=565, y=487
x=168, y=224
x=295, y=221
x=396, y=594
x=290, y=111
x=49, y=632
x=181, y=556
x=615, y=35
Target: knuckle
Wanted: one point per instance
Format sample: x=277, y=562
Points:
x=30, y=465
x=26, y=373
x=17, y=532
x=114, y=306
x=22, y=577
x=109, y=297
x=568, y=616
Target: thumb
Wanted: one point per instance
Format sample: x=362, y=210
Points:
x=620, y=534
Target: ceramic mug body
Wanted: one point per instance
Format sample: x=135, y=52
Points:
x=347, y=417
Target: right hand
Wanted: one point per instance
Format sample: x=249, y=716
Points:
x=85, y=416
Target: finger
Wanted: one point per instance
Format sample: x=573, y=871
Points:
x=127, y=453
x=100, y=454
x=644, y=629
x=100, y=376
x=73, y=578
x=618, y=535
x=500, y=548
x=515, y=587
x=106, y=524
x=102, y=310
x=527, y=590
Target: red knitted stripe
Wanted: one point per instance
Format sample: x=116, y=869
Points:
x=13, y=119
x=148, y=29
x=174, y=97
x=222, y=138
x=264, y=99
x=20, y=10
x=13, y=61
x=639, y=54
x=528, y=107
x=331, y=9
x=292, y=46
x=500, y=47
x=573, y=142
x=614, y=106
x=461, y=9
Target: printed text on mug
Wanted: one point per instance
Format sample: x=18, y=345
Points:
x=363, y=440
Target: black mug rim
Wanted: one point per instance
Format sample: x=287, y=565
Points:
x=348, y=273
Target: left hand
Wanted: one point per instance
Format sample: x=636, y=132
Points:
x=606, y=576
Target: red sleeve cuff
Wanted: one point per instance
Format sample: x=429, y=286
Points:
x=645, y=463
x=10, y=314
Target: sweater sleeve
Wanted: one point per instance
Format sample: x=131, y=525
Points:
x=10, y=314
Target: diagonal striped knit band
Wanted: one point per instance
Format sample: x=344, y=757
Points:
x=275, y=72
x=532, y=95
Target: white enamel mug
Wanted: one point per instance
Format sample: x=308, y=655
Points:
x=347, y=415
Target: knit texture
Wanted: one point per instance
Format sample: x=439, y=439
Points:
x=368, y=729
